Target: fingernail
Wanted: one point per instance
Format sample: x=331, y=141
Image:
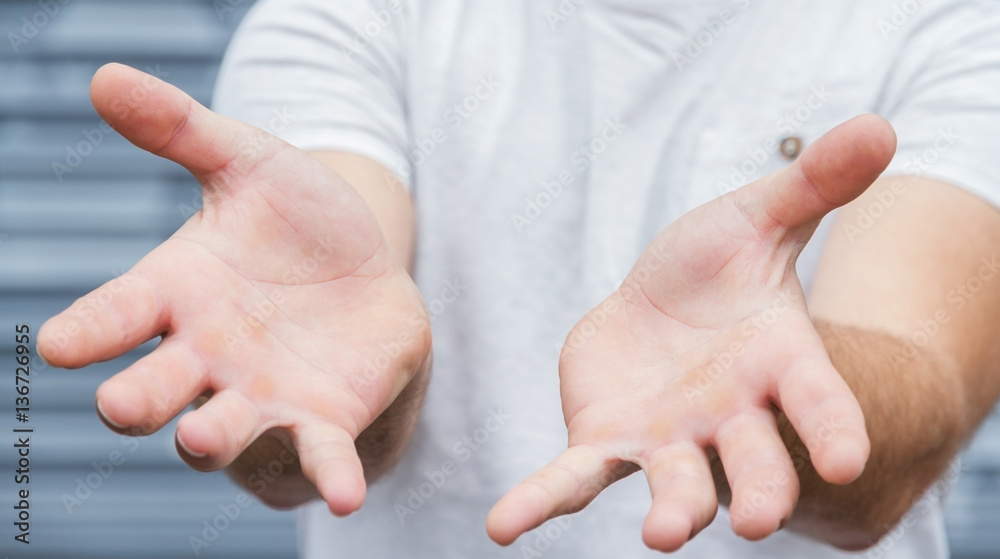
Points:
x=105, y=417
x=193, y=454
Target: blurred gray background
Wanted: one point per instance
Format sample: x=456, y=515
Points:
x=64, y=233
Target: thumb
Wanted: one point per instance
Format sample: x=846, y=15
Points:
x=167, y=122
x=834, y=170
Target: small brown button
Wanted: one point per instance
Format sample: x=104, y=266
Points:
x=791, y=147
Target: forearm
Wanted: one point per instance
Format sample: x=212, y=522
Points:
x=383, y=443
x=914, y=407
x=385, y=195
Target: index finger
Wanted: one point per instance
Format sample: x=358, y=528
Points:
x=105, y=323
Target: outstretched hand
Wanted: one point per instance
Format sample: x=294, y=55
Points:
x=708, y=337
x=280, y=299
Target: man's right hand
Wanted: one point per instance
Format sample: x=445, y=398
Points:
x=281, y=299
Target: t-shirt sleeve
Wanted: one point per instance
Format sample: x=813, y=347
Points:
x=322, y=75
x=943, y=96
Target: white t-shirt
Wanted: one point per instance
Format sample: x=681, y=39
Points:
x=545, y=143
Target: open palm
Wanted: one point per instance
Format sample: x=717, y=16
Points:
x=709, y=335
x=280, y=299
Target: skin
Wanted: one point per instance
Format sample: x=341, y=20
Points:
x=270, y=300
x=640, y=389
x=874, y=296
x=381, y=445
x=681, y=371
x=706, y=368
